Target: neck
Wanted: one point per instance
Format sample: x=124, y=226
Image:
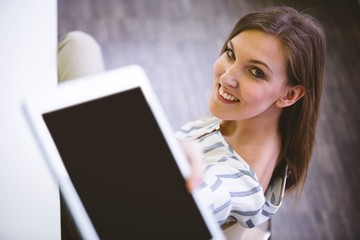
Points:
x=251, y=130
x=257, y=141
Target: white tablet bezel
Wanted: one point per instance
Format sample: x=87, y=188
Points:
x=88, y=88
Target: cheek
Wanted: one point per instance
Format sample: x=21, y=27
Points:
x=261, y=95
x=255, y=94
x=253, y=97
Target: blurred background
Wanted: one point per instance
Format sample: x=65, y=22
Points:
x=177, y=42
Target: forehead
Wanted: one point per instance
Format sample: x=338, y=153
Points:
x=258, y=45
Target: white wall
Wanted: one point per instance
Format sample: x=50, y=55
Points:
x=29, y=199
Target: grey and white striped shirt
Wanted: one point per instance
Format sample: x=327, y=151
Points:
x=230, y=187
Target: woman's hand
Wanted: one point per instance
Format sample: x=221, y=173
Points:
x=194, y=154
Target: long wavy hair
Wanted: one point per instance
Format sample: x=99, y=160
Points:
x=303, y=39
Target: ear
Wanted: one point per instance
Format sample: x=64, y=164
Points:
x=292, y=96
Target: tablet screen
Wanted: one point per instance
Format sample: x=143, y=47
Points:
x=123, y=170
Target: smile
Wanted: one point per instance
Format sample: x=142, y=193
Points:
x=227, y=96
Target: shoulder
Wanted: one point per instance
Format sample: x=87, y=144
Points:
x=194, y=129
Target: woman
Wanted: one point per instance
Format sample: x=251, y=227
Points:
x=265, y=103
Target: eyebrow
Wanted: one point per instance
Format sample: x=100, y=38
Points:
x=261, y=63
x=253, y=61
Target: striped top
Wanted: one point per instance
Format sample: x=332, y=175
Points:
x=230, y=187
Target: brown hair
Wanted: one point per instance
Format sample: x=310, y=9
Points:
x=304, y=42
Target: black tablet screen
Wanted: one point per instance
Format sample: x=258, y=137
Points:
x=123, y=170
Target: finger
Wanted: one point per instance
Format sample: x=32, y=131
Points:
x=195, y=157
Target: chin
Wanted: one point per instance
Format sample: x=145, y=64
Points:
x=216, y=112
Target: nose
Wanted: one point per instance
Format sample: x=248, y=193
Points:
x=229, y=79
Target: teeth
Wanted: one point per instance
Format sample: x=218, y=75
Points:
x=227, y=96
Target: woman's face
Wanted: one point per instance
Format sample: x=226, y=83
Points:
x=250, y=76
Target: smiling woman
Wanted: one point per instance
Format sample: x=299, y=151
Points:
x=265, y=103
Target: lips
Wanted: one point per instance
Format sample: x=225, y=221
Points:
x=227, y=96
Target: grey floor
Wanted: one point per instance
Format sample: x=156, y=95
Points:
x=177, y=41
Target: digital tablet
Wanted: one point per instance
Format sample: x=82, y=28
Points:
x=112, y=152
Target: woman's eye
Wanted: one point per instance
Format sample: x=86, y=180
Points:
x=256, y=72
x=230, y=54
